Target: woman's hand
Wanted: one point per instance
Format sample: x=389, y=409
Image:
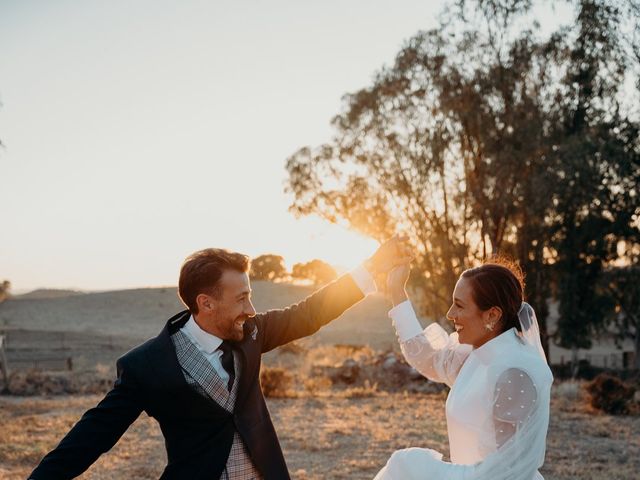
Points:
x=392, y=253
x=396, y=283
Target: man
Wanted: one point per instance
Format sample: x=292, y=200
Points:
x=199, y=378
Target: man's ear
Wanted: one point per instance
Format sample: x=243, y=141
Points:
x=205, y=303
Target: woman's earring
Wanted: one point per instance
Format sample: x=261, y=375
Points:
x=490, y=326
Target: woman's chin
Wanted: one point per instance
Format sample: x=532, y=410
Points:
x=462, y=338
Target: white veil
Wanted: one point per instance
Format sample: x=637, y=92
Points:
x=530, y=328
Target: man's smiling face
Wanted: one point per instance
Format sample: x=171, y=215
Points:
x=224, y=314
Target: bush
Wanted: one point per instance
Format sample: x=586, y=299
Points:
x=275, y=381
x=610, y=394
x=38, y=382
x=367, y=391
x=314, y=385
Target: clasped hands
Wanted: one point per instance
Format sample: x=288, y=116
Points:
x=390, y=267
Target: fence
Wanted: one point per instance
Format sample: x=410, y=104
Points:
x=3, y=362
x=55, y=350
x=618, y=360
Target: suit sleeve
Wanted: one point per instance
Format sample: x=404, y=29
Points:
x=278, y=327
x=95, y=433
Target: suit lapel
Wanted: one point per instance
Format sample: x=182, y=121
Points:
x=165, y=361
x=246, y=351
x=198, y=367
x=169, y=366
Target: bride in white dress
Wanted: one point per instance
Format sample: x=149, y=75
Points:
x=498, y=407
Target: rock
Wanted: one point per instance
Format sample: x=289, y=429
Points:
x=389, y=362
x=348, y=372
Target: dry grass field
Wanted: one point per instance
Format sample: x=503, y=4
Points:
x=328, y=431
x=326, y=437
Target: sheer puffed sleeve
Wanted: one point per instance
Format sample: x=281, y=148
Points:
x=514, y=399
x=432, y=352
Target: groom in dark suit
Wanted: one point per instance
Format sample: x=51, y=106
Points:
x=199, y=378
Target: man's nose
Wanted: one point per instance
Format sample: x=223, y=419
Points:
x=250, y=311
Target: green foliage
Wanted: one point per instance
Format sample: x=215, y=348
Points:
x=621, y=285
x=483, y=138
x=597, y=164
x=610, y=394
x=268, y=267
x=316, y=270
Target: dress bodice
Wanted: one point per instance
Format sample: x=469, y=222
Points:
x=496, y=390
x=497, y=410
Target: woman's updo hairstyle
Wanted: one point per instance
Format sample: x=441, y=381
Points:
x=499, y=282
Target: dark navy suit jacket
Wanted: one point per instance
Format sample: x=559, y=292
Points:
x=198, y=432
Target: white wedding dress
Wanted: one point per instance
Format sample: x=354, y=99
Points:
x=497, y=410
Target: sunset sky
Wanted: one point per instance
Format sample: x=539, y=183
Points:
x=136, y=132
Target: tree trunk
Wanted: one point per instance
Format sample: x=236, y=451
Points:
x=574, y=362
x=636, y=362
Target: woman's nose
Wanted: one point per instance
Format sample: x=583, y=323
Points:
x=449, y=315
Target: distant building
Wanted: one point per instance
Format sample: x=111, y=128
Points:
x=604, y=353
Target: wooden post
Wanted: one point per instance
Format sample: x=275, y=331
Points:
x=3, y=364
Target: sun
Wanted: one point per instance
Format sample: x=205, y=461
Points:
x=344, y=249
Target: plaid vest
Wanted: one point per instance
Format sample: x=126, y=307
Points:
x=203, y=378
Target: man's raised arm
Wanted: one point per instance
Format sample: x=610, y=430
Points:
x=278, y=327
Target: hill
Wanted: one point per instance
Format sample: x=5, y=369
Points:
x=141, y=313
x=47, y=293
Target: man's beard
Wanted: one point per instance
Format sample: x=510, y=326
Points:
x=235, y=331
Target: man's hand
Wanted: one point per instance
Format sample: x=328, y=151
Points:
x=390, y=254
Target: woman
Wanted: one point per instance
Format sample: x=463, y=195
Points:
x=498, y=407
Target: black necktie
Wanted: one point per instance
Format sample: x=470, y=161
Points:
x=227, y=363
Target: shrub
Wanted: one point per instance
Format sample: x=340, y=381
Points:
x=610, y=394
x=316, y=384
x=367, y=391
x=38, y=382
x=275, y=381
x=294, y=348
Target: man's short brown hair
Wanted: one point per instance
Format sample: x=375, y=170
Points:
x=201, y=272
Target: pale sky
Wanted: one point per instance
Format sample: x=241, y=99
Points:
x=137, y=132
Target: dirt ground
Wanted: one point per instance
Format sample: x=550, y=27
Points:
x=325, y=433
x=325, y=437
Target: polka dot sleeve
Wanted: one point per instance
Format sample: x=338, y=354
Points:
x=515, y=397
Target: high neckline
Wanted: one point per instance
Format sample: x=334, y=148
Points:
x=495, y=346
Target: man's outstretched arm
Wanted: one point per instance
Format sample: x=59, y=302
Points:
x=305, y=318
x=95, y=433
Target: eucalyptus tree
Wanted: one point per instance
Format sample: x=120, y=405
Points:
x=485, y=137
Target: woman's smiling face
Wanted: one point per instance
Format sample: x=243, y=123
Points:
x=469, y=321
